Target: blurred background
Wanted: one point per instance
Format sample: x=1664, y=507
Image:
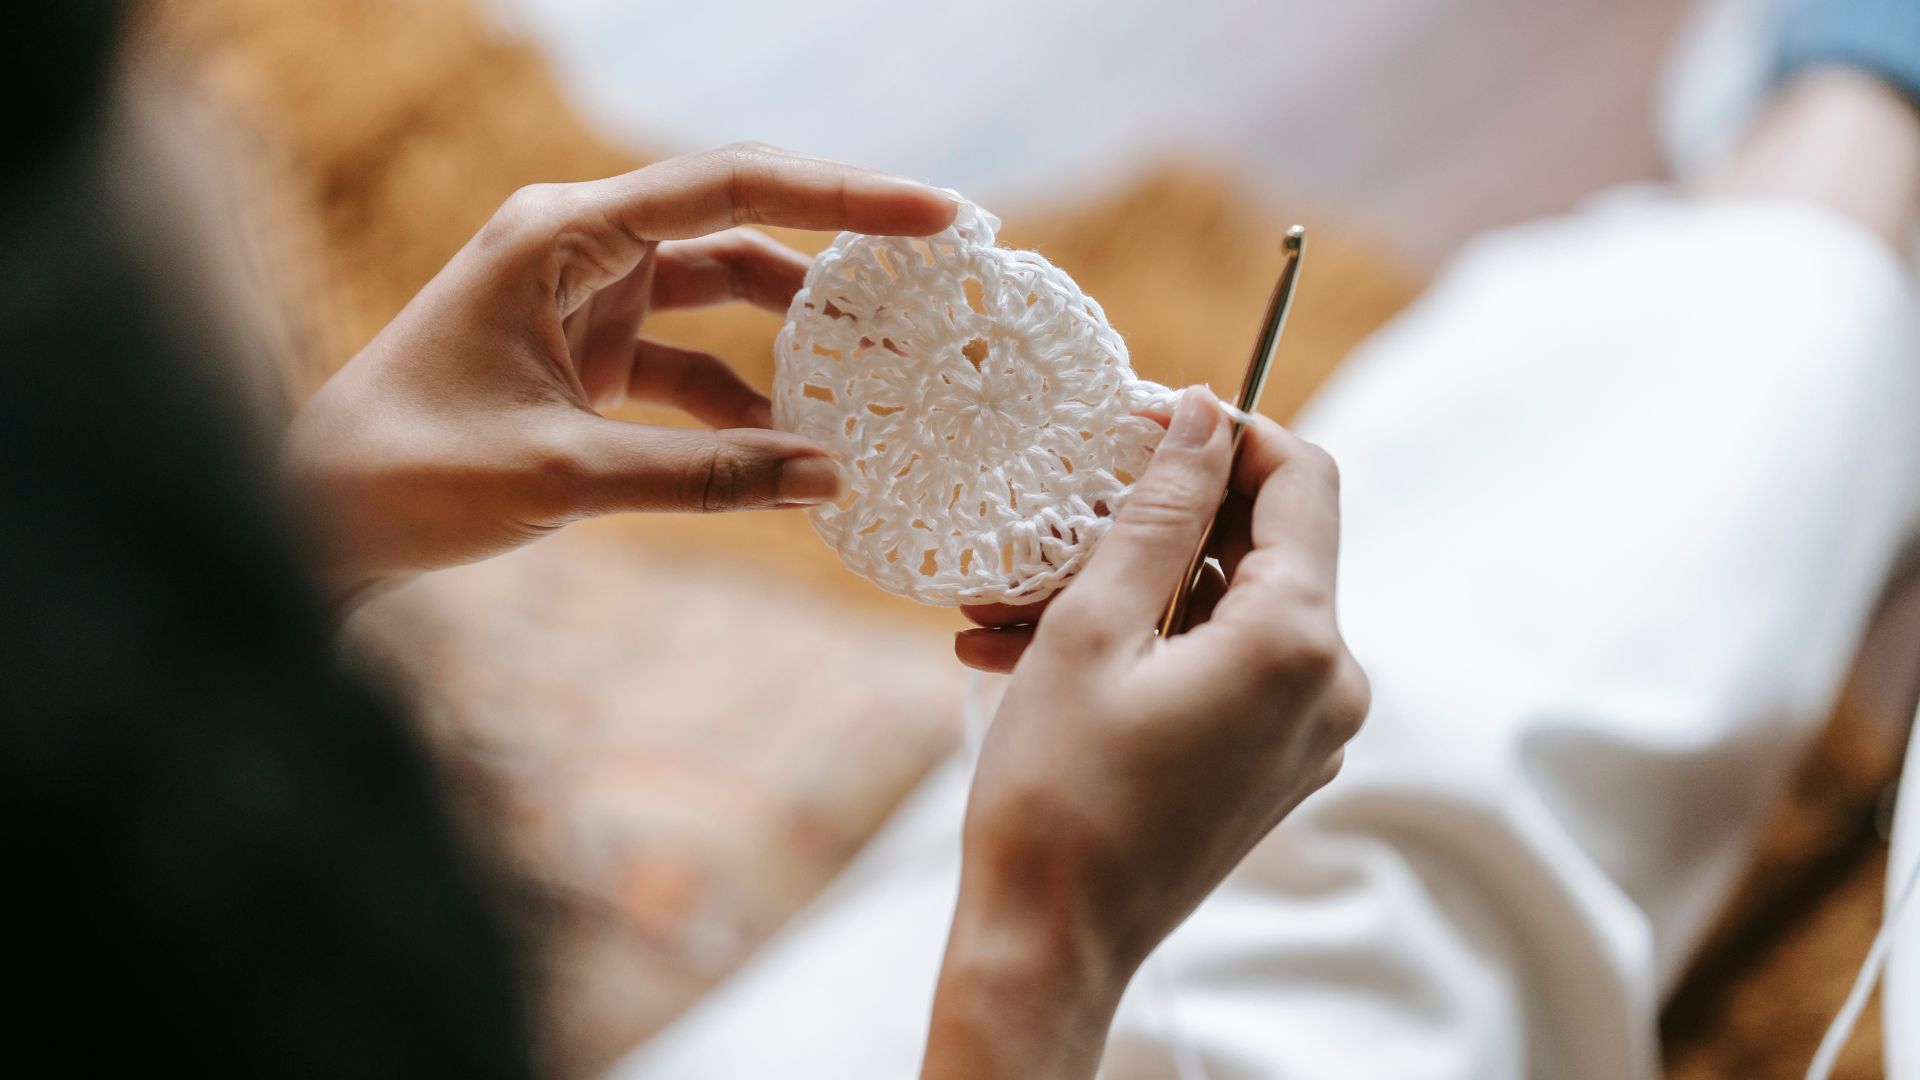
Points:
x=682, y=788
x=1422, y=122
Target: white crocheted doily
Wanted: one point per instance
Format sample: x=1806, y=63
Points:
x=980, y=405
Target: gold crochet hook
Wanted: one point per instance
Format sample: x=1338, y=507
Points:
x=1294, y=249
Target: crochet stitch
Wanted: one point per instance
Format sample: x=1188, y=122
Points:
x=981, y=406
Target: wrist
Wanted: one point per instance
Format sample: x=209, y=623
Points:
x=1028, y=988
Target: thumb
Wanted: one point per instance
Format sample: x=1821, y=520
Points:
x=636, y=467
x=1140, y=561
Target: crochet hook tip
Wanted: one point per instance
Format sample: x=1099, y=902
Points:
x=1293, y=246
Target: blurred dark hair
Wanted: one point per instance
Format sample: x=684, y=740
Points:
x=226, y=858
x=53, y=63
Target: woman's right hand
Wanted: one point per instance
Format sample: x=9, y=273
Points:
x=1125, y=775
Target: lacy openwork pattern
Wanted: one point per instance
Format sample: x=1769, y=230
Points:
x=981, y=406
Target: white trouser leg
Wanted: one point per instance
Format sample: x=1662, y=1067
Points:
x=1619, y=494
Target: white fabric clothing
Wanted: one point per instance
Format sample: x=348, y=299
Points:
x=1619, y=494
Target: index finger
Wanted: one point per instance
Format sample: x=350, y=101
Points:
x=752, y=184
x=1294, y=522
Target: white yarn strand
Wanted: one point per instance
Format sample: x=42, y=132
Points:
x=984, y=411
x=1842, y=1027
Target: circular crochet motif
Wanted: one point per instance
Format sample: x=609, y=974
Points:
x=979, y=403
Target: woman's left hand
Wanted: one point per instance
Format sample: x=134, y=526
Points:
x=470, y=425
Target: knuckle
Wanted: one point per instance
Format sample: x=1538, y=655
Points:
x=1331, y=770
x=1169, y=500
x=1075, y=622
x=727, y=476
x=737, y=251
x=1270, y=430
x=1304, y=651
x=533, y=196
x=1312, y=658
x=1349, y=699
x=553, y=471
x=530, y=209
x=1286, y=583
x=743, y=163
x=1321, y=464
x=713, y=480
x=745, y=241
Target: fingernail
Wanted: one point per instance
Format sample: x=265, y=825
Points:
x=1194, y=418
x=760, y=415
x=809, y=479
